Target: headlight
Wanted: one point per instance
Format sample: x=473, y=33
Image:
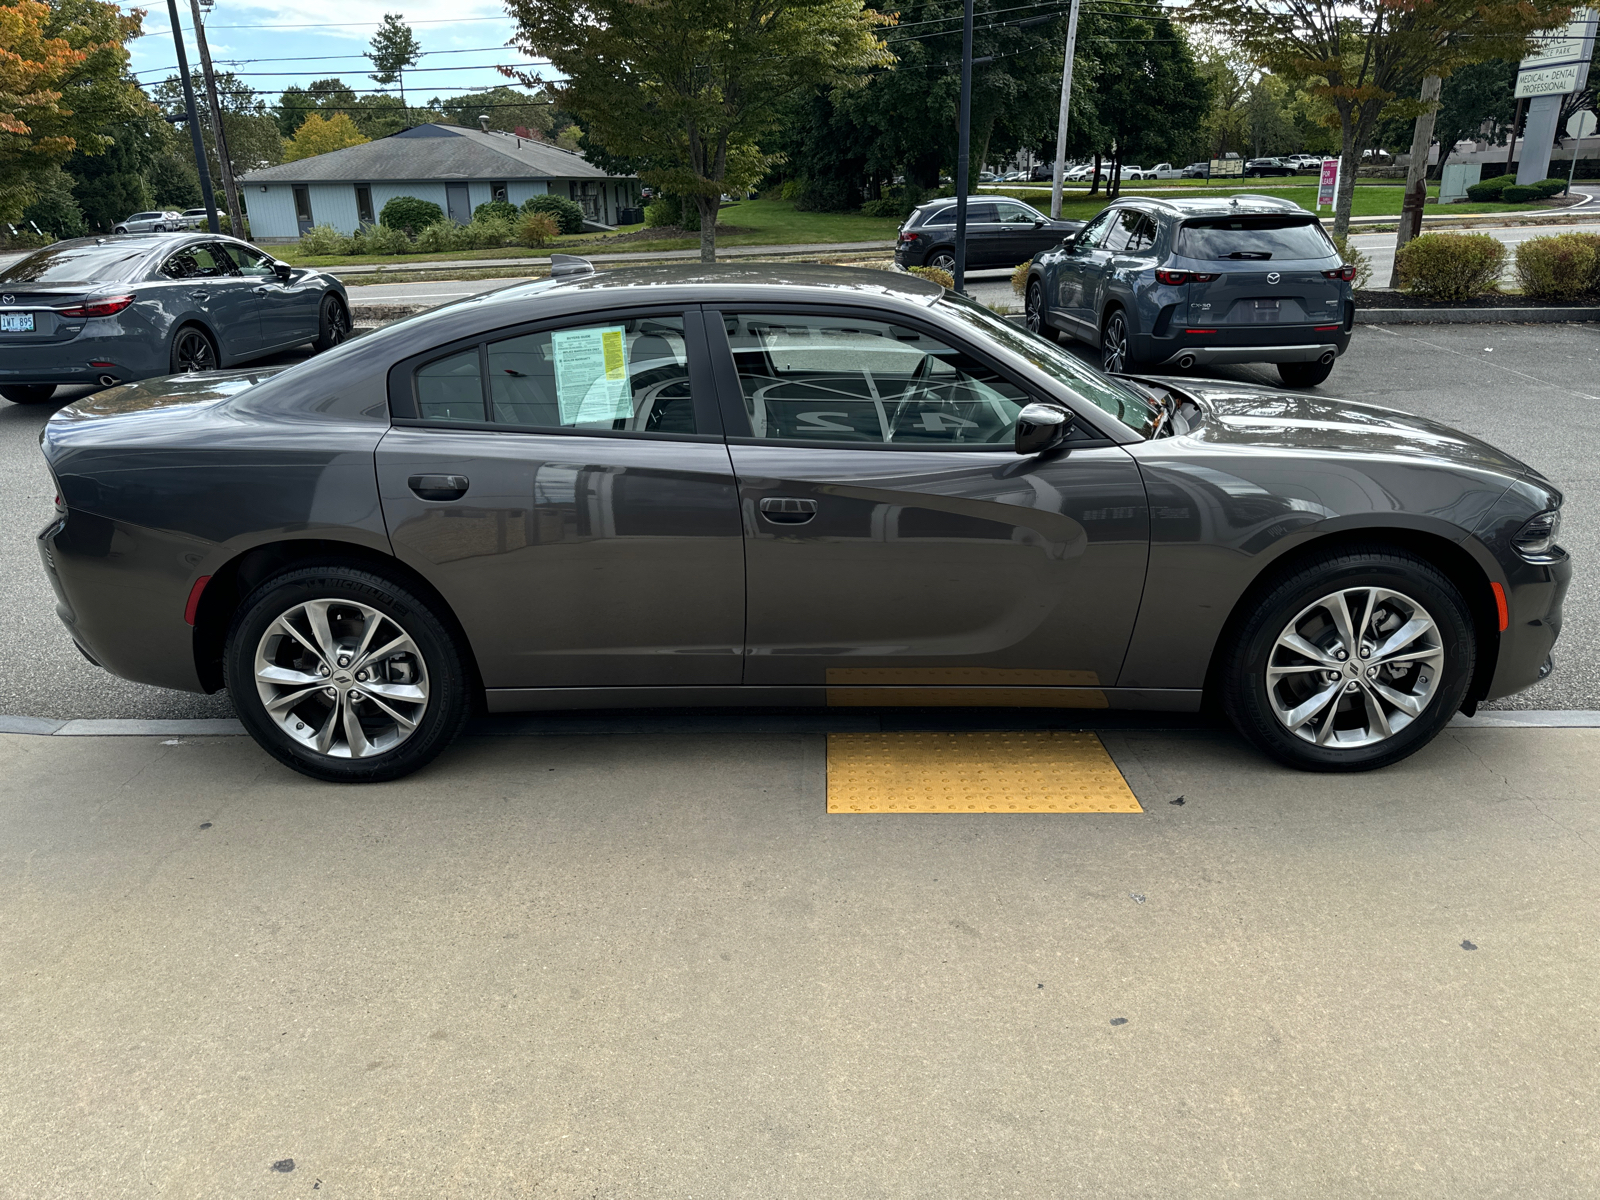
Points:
x=1536, y=540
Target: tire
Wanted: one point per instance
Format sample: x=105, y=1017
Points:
x=1316, y=711
x=941, y=259
x=28, y=393
x=1116, y=347
x=1304, y=374
x=359, y=735
x=1034, y=308
x=120, y=229
x=333, y=323
x=193, y=351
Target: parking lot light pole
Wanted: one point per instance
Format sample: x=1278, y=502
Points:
x=963, y=147
x=1066, y=102
x=194, y=120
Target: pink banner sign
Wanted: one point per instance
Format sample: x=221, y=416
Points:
x=1328, y=187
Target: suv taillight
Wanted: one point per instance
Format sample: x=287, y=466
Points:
x=104, y=307
x=1346, y=273
x=1174, y=278
x=907, y=235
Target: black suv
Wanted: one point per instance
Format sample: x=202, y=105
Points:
x=1189, y=282
x=1000, y=233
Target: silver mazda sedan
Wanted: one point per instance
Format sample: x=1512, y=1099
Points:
x=780, y=484
x=107, y=310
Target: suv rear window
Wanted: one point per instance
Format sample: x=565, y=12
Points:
x=1254, y=238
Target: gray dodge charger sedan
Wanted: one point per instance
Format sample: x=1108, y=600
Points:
x=108, y=310
x=784, y=485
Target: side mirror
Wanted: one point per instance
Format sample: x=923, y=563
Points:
x=1068, y=242
x=282, y=269
x=1042, y=427
x=1039, y=222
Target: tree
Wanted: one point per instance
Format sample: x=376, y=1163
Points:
x=173, y=181
x=250, y=130
x=394, y=48
x=62, y=76
x=318, y=135
x=374, y=116
x=55, y=209
x=688, y=84
x=111, y=184
x=1365, y=57
x=507, y=109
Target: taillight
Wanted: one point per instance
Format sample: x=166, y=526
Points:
x=909, y=237
x=1173, y=278
x=1346, y=273
x=105, y=307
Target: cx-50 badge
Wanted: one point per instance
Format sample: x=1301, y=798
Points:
x=1272, y=277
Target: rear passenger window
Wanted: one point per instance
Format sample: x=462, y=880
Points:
x=627, y=375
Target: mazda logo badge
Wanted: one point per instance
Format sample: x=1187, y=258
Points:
x=1272, y=277
x=8, y=299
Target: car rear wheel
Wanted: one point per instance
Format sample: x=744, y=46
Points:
x=192, y=351
x=344, y=675
x=1115, y=347
x=941, y=260
x=1033, y=306
x=28, y=393
x=1304, y=374
x=333, y=323
x=1354, y=661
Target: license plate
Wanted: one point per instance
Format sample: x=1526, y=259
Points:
x=1271, y=304
x=16, y=322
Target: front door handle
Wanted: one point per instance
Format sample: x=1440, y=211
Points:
x=199, y=295
x=788, y=510
x=439, y=487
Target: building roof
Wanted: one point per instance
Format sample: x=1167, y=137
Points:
x=434, y=152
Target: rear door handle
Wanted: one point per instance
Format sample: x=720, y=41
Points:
x=788, y=510
x=199, y=295
x=439, y=487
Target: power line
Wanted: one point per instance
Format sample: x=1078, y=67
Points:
x=409, y=70
x=314, y=58
x=332, y=25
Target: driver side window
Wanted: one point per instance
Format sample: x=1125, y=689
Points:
x=841, y=380
x=1095, y=232
x=250, y=262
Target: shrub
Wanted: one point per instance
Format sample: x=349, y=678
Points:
x=1356, y=259
x=486, y=233
x=568, y=213
x=439, y=238
x=1556, y=268
x=662, y=212
x=500, y=210
x=386, y=239
x=943, y=278
x=1550, y=187
x=1451, y=266
x=536, y=229
x=322, y=239
x=1490, y=189
x=886, y=207
x=1019, y=278
x=1520, y=195
x=410, y=214
x=1592, y=240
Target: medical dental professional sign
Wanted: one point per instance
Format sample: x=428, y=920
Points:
x=1560, y=64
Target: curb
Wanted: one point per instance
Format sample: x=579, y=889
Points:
x=614, y=256
x=1474, y=316
x=529, y=725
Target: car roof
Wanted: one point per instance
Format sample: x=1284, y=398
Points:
x=1213, y=206
x=704, y=283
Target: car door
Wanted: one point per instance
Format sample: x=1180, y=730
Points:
x=1079, y=278
x=289, y=308
x=198, y=279
x=1129, y=248
x=984, y=234
x=566, y=488
x=1023, y=232
x=897, y=549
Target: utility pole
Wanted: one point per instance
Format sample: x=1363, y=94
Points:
x=194, y=119
x=1066, y=101
x=235, y=213
x=1416, y=196
x=963, y=147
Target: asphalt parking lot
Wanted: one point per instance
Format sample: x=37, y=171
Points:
x=1531, y=389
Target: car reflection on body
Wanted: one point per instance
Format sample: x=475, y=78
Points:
x=783, y=484
x=113, y=309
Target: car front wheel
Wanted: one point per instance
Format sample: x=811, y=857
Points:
x=1033, y=306
x=1354, y=661
x=28, y=393
x=344, y=675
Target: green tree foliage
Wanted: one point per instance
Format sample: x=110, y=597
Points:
x=55, y=209
x=1364, y=57
x=173, y=181
x=111, y=184
x=393, y=48
x=251, y=131
x=686, y=84
x=374, y=116
x=1150, y=95
x=507, y=108
x=323, y=135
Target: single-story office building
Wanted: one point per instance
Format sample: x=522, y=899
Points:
x=457, y=168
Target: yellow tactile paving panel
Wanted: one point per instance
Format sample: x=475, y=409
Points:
x=1045, y=771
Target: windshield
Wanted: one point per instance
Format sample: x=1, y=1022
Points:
x=1105, y=393
x=75, y=264
x=1254, y=238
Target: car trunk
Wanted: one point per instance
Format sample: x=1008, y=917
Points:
x=40, y=302
x=1268, y=271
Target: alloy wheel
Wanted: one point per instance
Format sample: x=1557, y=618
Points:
x=341, y=678
x=338, y=323
x=193, y=352
x=1114, y=344
x=1034, y=307
x=943, y=261
x=1354, y=668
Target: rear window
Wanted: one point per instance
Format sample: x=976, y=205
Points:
x=76, y=264
x=1254, y=238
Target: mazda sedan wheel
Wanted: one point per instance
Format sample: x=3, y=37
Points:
x=345, y=676
x=1355, y=662
x=192, y=351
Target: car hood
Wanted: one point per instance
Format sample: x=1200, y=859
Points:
x=169, y=391
x=1244, y=416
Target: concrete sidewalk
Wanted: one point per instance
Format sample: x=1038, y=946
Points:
x=653, y=966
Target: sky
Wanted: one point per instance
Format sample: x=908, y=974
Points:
x=460, y=39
